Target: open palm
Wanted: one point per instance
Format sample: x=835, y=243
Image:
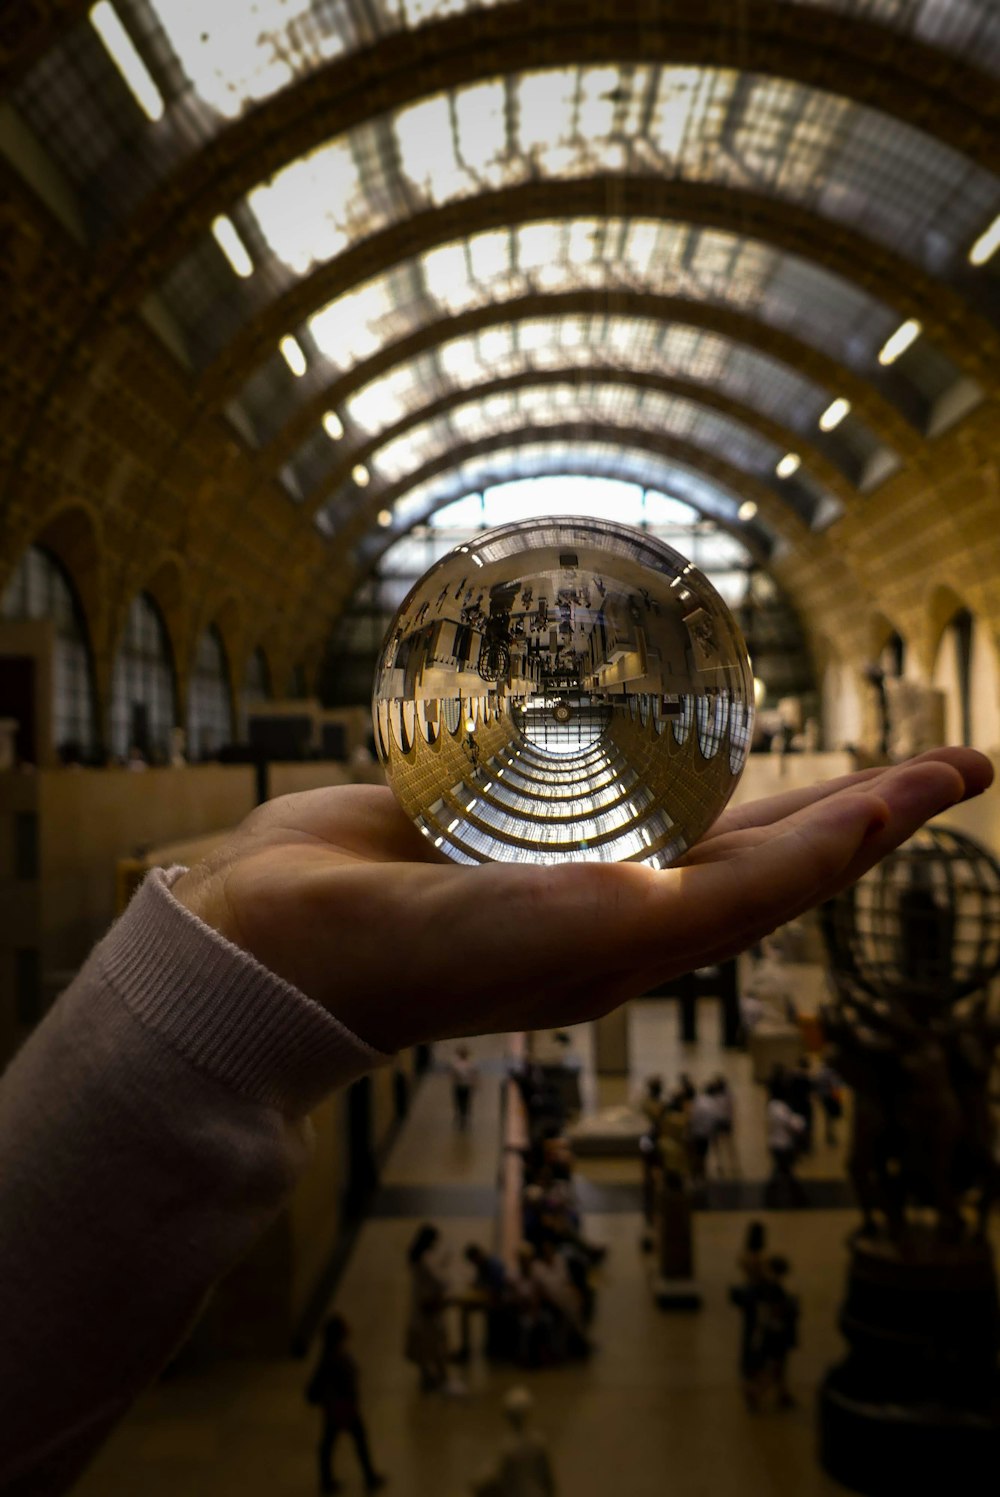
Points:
x=337, y=892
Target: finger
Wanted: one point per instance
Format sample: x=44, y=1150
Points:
x=910, y=796
x=920, y=791
x=932, y=770
x=974, y=768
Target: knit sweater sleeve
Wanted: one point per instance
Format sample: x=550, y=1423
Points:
x=151, y=1127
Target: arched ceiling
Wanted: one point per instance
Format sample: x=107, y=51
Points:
x=723, y=486
x=324, y=471
x=658, y=466
x=672, y=237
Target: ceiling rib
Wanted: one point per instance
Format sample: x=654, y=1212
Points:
x=782, y=520
x=874, y=409
x=782, y=436
x=971, y=341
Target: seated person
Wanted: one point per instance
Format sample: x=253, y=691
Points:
x=489, y=1295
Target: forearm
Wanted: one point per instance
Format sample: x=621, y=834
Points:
x=149, y=1131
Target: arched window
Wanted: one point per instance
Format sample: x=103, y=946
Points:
x=143, y=697
x=953, y=676
x=256, y=686
x=984, y=673
x=41, y=589
x=210, y=712
x=712, y=717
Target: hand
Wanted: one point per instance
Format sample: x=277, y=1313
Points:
x=337, y=892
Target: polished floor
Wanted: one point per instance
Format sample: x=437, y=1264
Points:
x=656, y=1410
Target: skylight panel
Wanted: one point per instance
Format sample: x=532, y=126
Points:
x=408, y=452
x=234, y=58
x=539, y=244
x=679, y=106
x=125, y=56
x=446, y=273
x=545, y=108
x=597, y=102
x=308, y=210
x=347, y=330
x=490, y=256
x=426, y=144
x=481, y=129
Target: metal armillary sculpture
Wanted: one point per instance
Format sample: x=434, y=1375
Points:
x=913, y=948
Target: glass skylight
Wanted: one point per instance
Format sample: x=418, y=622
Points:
x=535, y=344
x=557, y=404
x=588, y=459
x=640, y=255
x=236, y=54
x=216, y=60
x=772, y=136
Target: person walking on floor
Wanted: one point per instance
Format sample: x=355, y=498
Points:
x=784, y=1130
x=426, y=1335
x=724, y=1138
x=775, y=1336
x=702, y=1119
x=752, y=1264
x=799, y=1096
x=464, y=1075
x=333, y=1388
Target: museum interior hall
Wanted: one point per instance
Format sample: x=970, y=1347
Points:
x=517, y=429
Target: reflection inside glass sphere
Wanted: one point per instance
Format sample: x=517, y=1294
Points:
x=563, y=690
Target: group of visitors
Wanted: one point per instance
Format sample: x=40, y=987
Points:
x=688, y=1131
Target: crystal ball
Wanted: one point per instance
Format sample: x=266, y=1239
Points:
x=563, y=690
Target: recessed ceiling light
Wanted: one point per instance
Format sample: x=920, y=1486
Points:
x=986, y=245
x=232, y=246
x=361, y=475
x=385, y=518
x=291, y=352
x=747, y=510
x=908, y=332
x=790, y=463
x=333, y=426
x=834, y=414
x=122, y=51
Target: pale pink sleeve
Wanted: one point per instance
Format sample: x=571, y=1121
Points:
x=149, y=1130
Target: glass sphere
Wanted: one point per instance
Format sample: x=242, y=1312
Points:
x=563, y=690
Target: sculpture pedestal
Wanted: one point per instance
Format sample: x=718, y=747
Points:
x=916, y=1402
x=674, y=1284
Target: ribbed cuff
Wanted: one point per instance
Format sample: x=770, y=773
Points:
x=221, y=1009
